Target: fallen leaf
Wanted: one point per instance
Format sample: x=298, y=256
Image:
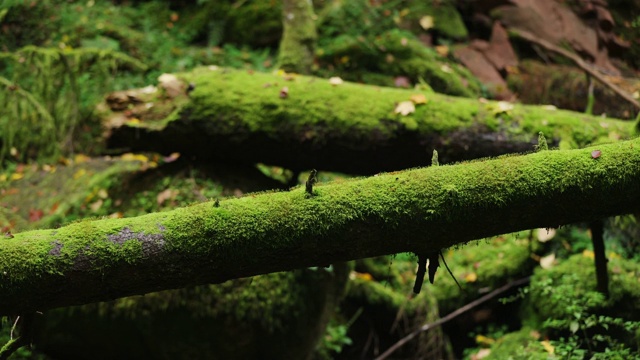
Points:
x=116, y=215
x=418, y=99
x=13, y=152
x=471, y=277
x=588, y=254
x=16, y=176
x=81, y=158
x=547, y=262
x=166, y=195
x=596, y=154
x=103, y=194
x=134, y=157
x=54, y=207
x=335, y=81
x=402, y=81
x=545, y=235
x=80, y=173
x=446, y=68
x=171, y=158
x=35, y=214
x=96, y=205
x=442, y=50
x=426, y=22
x=284, y=92
x=405, y=108
x=8, y=235
x=484, y=340
x=547, y=346
x=481, y=354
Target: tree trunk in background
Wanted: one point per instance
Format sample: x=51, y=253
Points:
x=297, y=47
x=421, y=211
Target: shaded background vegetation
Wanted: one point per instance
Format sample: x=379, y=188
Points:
x=60, y=58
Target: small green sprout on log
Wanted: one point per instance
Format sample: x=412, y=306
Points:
x=312, y=179
x=216, y=203
x=542, y=142
x=434, y=158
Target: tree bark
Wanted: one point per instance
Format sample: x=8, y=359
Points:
x=420, y=210
x=250, y=117
x=297, y=47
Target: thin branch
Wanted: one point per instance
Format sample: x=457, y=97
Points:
x=580, y=63
x=452, y=315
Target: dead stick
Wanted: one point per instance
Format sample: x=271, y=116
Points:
x=452, y=315
x=578, y=61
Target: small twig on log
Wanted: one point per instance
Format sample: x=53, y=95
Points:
x=452, y=315
x=579, y=62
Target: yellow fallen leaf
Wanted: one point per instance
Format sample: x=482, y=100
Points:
x=483, y=340
x=418, y=99
x=547, y=346
x=471, y=277
x=405, y=108
x=442, y=50
x=588, y=254
x=3, y=177
x=134, y=157
x=426, y=22
x=613, y=255
x=80, y=173
x=116, y=215
x=16, y=176
x=80, y=158
x=446, y=68
x=103, y=194
x=364, y=276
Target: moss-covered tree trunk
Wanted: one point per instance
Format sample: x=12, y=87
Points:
x=301, y=122
x=297, y=47
x=421, y=210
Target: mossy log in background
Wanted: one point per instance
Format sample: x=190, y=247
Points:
x=301, y=122
x=422, y=210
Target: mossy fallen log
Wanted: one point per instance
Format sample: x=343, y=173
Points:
x=420, y=210
x=301, y=122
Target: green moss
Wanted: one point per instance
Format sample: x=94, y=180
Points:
x=235, y=103
x=523, y=344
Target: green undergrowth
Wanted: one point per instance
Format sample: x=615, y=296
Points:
x=350, y=47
